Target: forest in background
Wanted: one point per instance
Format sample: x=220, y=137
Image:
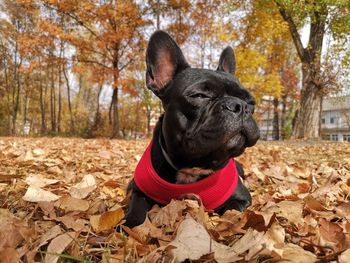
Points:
x=59, y=59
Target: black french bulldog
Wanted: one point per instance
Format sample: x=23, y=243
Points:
x=207, y=121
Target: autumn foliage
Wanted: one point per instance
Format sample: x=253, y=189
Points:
x=77, y=67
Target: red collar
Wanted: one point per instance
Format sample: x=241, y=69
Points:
x=213, y=190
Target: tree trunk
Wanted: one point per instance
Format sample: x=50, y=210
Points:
x=283, y=117
x=308, y=119
x=16, y=92
x=97, y=118
x=69, y=101
x=42, y=109
x=149, y=116
x=275, y=121
x=42, y=106
x=115, y=100
x=16, y=103
x=78, y=96
x=52, y=102
x=268, y=119
x=25, y=111
x=202, y=45
x=115, y=113
x=59, y=113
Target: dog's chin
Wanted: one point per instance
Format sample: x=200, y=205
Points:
x=236, y=145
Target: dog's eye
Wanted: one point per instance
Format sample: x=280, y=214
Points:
x=199, y=96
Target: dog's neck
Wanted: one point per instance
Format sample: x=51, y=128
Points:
x=166, y=168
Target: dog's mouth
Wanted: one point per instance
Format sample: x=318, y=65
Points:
x=236, y=144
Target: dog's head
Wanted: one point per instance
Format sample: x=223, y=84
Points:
x=208, y=114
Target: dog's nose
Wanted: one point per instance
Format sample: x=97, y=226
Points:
x=233, y=106
x=237, y=107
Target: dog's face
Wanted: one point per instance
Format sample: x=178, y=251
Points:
x=208, y=114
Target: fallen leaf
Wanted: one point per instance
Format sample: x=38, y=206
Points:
x=192, y=241
x=344, y=257
x=52, y=233
x=249, y=240
x=107, y=220
x=9, y=255
x=69, y=203
x=343, y=210
x=105, y=155
x=331, y=235
x=12, y=230
x=147, y=231
x=291, y=210
x=168, y=215
x=78, y=225
x=36, y=194
x=55, y=170
x=272, y=241
x=112, y=183
x=39, y=181
x=57, y=246
x=295, y=254
x=84, y=188
x=38, y=152
x=314, y=204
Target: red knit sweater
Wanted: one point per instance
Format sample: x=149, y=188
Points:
x=213, y=190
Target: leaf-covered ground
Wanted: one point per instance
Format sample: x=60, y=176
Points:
x=60, y=198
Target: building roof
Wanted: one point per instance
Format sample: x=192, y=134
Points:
x=336, y=103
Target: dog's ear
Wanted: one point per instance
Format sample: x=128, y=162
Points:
x=227, y=62
x=164, y=59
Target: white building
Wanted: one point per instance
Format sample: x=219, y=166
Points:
x=335, y=120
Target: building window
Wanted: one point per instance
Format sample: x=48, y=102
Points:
x=334, y=120
x=346, y=137
x=326, y=137
x=334, y=137
x=323, y=120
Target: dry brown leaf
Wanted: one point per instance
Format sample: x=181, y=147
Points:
x=249, y=240
x=105, y=154
x=38, y=152
x=344, y=257
x=295, y=254
x=147, y=230
x=107, y=220
x=36, y=194
x=193, y=241
x=12, y=230
x=52, y=233
x=69, y=203
x=314, y=204
x=55, y=170
x=57, y=246
x=343, y=210
x=84, y=188
x=112, y=183
x=168, y=215
x=331, y=235
x=9, y=255
x=272, y=241
x=39, y=181
x=291, y=210
x=78, y=225
x=48, y=208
